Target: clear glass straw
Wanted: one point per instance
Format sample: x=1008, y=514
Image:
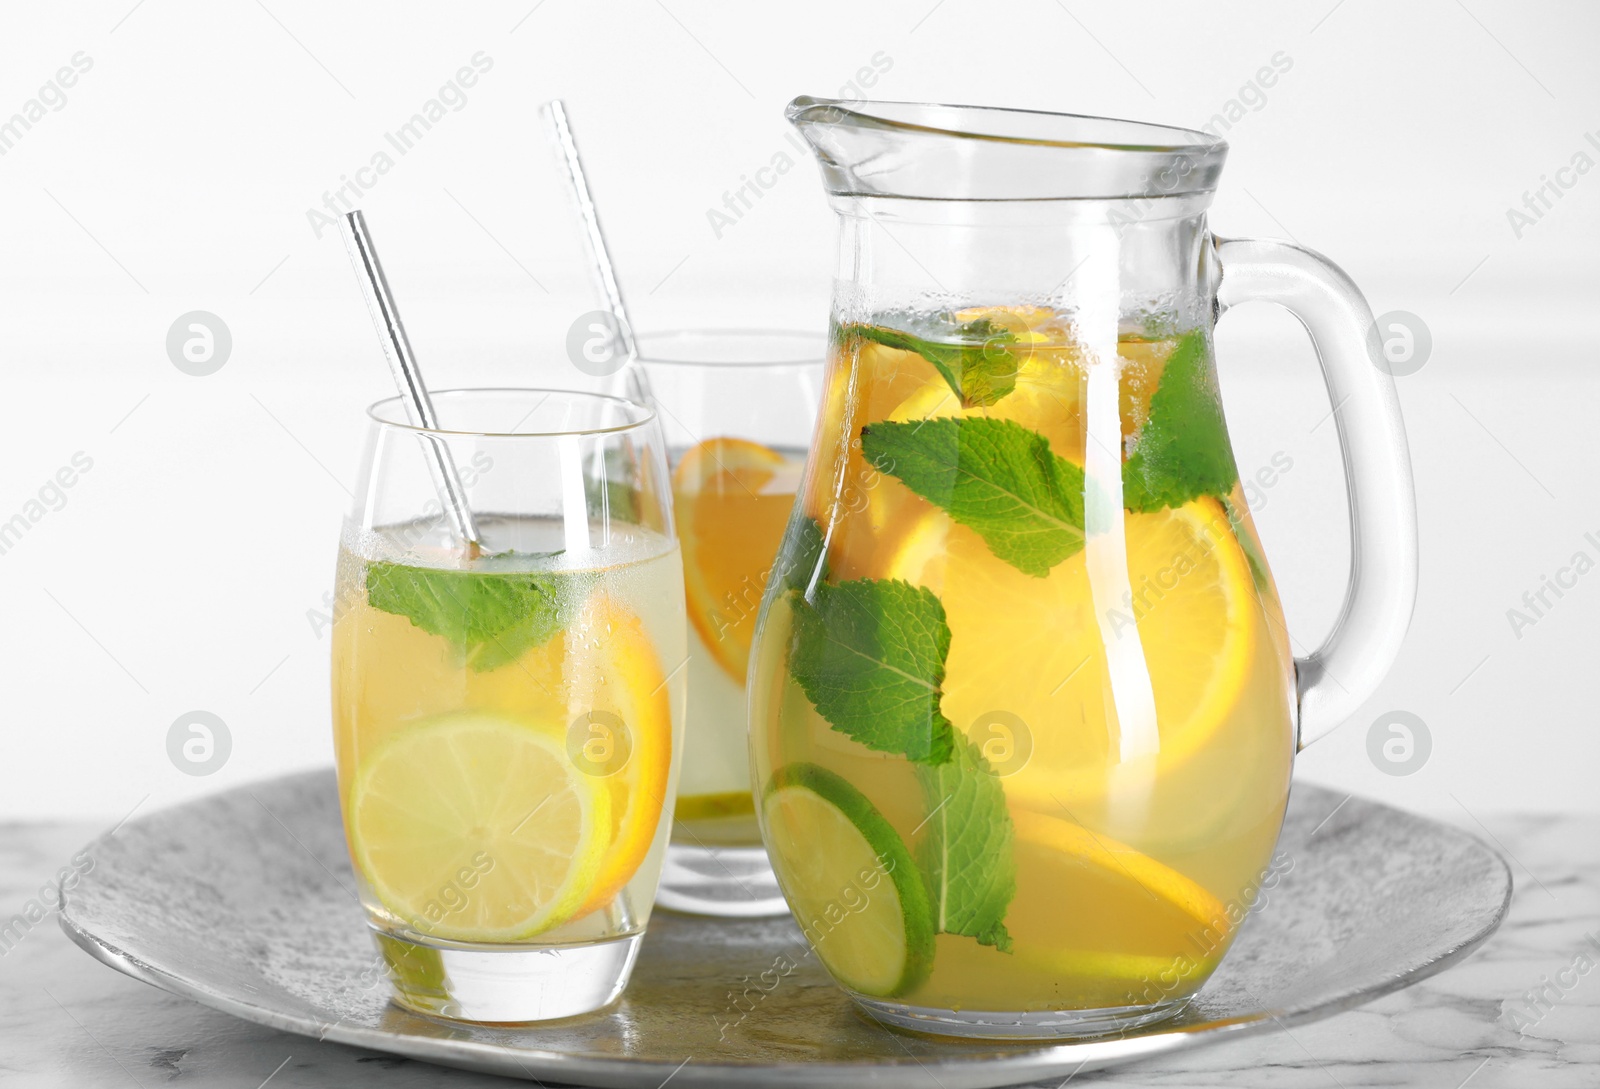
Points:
x=594, y=238
x=408, y=377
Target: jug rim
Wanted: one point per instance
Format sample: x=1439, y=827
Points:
x=877, y=114
x=934, y=152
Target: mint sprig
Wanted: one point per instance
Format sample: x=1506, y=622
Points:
x=980, y=367
x=993, y=476
x=870, y=656
x=1182, y=451
x=965, y=852
x=490, y=617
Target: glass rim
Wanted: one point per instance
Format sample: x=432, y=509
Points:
x=647, y=357
x=644, y=414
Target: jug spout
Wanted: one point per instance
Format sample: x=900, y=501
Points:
x=933, y=152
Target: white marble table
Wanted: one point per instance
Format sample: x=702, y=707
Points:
x=66, y=1021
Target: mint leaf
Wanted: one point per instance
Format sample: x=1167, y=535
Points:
x=1248, y=544
x=870, y=656
x=801, y=556
x=980, y=371
x=966, y=851
x=995, y=477
x=490, y=617
x=1182, y=451
x=616, y=490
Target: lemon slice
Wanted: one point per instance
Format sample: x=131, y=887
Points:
x=1199, y=617
x=850, y=881
x=477, y=827
x=1075, y=845
x=1032, y=648
x=732, y=499
x=1093, y=909
x=871, y=381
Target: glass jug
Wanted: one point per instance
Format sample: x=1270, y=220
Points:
x=1022, y=703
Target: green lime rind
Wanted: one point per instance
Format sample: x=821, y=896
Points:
x=836, y=934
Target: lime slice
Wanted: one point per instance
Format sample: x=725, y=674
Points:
x=477, y=827
x=850, y=881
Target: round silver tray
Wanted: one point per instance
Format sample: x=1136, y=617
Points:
x=244, y=901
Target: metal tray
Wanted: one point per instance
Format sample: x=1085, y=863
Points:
x=244, y=901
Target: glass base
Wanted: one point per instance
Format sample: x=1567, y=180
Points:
x=1044, y=1025
x=507, y=983
x=728, y=881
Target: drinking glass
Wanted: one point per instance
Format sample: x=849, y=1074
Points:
x=506, y=718
x=737, y=407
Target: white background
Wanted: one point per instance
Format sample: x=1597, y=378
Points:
x=182, y=571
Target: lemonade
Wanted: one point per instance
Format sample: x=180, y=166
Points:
x=504, y=729
x=1023, y=714
x=732, y=499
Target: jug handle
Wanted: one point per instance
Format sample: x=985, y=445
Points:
x=1334, y=680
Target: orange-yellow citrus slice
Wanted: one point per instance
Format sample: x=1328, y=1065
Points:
x=618, y=673
x=733, y=500
x=1034, y=648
